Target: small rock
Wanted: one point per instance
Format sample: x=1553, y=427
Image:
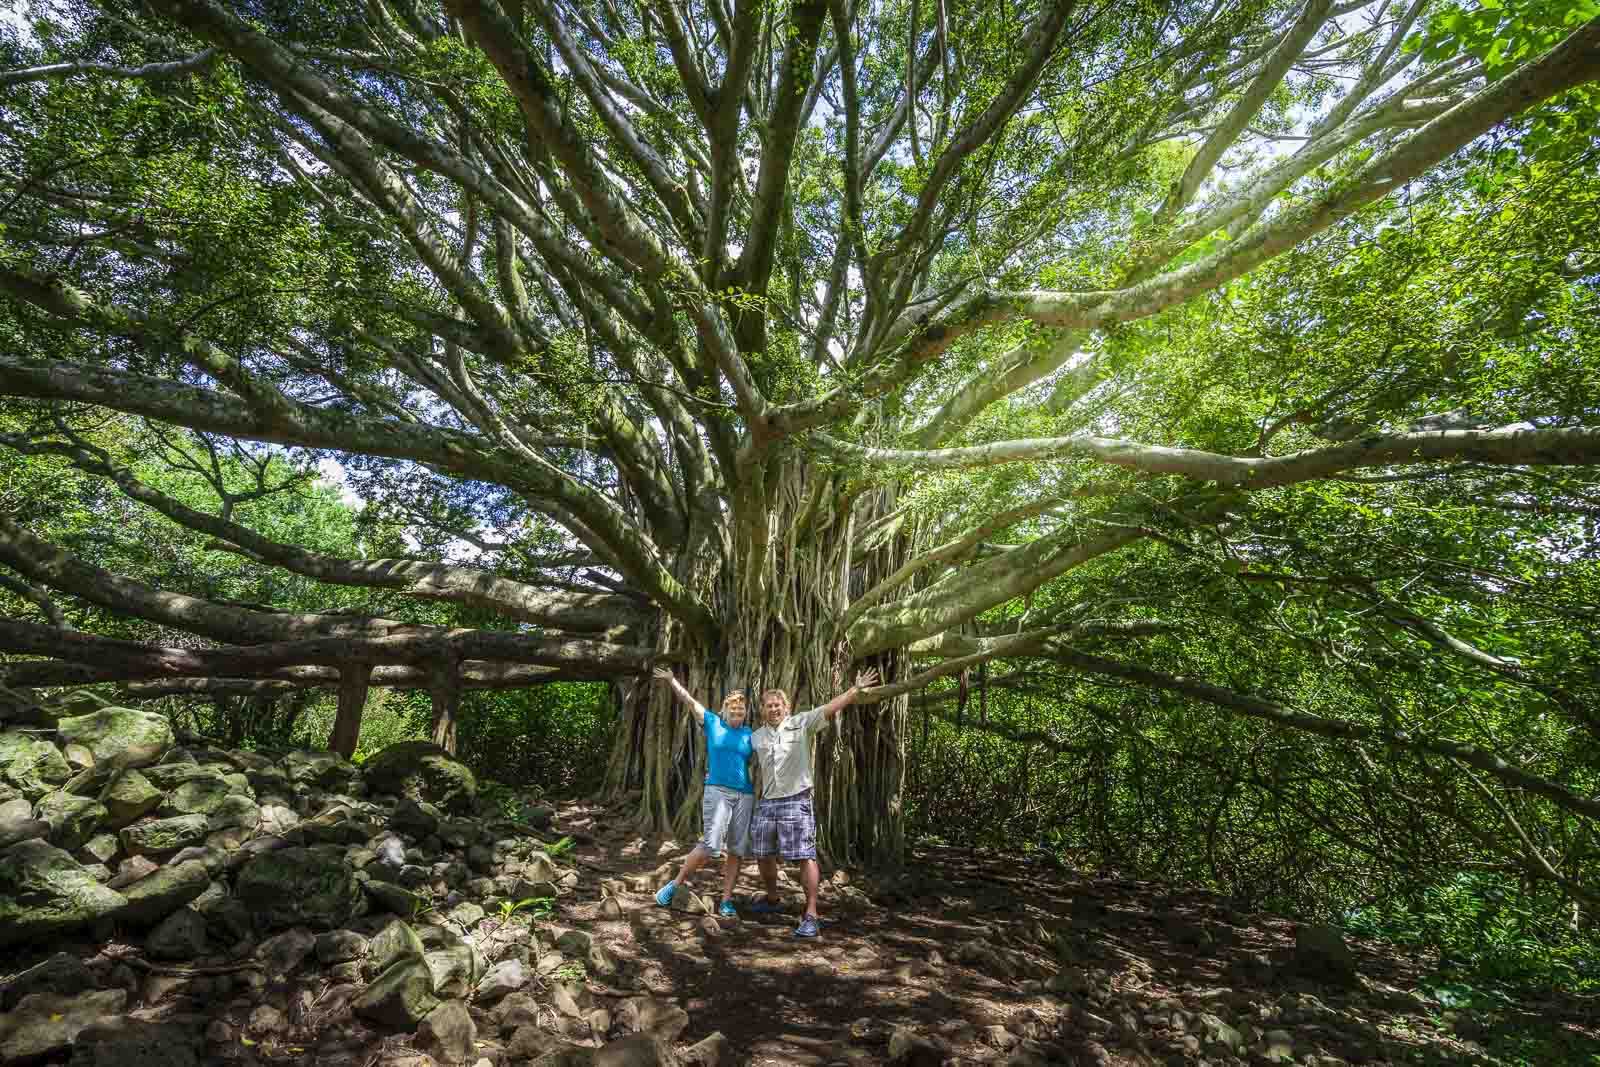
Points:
x=907, y=1048
x=712, y=1051
x=503, y=978
x=466, y=915
x=1320, y=952
x=266, y=1020
x=101, y=848
x=180, y=936
x=610, y=909
x=395, y=899
x=999, y=1037
x=653, y=1016
x=276, y=820
x=283, y=954
x=448, y=1032
x=1217, y=1032
x=131, y=870
x=400, y=997
x=395, y=942
x=574, y=943
x=339, y=946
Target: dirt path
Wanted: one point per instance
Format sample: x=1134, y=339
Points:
x=989, y=959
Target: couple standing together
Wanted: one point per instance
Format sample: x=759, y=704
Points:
x=784, y=823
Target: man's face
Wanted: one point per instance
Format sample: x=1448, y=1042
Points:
x=774, y=708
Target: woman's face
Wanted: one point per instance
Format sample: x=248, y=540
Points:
x=734, y=713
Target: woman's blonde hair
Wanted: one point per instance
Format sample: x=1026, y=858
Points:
x=735, y=697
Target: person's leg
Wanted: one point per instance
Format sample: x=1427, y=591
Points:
x=740, y=845
x=810, y=877
x=769, y=875
x=692, y=862
x=764, y=846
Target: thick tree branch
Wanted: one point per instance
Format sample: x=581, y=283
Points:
x=1511, y=446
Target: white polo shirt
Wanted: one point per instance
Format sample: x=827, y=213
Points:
x=785, y=753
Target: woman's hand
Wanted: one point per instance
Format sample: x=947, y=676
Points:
x=662, y=674
x=867, y=678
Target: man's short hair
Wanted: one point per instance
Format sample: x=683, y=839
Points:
x=779, y=693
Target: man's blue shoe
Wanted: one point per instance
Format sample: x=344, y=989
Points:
x=807, y=927
x=763, y=906
x=664, y=894
x=727, y=910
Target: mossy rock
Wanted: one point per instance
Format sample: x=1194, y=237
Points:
x=44, y=892
x=163, y=835
x=400, y=996
x=130, y=796
x=73, y=819
x=299, y=886
x=130, y=737
x=32, y=765
x=422, y=771
x=162, y=892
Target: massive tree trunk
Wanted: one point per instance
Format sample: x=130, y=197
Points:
x=784, y=579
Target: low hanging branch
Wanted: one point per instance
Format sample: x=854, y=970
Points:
x=128, y=660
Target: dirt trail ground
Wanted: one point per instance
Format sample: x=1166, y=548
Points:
x=990, y=959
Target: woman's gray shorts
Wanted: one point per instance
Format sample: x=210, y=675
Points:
x=726, y=814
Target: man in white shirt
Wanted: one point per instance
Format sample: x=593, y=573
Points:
x=785, y=823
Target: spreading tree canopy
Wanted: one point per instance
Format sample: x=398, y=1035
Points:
x=1239, y=351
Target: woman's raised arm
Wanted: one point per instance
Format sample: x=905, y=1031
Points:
x=662, y=674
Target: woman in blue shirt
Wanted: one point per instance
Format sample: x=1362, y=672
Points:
x=729, y=794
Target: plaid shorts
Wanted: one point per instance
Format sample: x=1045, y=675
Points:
x=785, y=826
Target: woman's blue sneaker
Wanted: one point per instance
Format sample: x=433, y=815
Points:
x=664, y=894
x=727, y=910
x=807, y=927
x=763, y=906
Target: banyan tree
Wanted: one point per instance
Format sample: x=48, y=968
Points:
x=770, y=339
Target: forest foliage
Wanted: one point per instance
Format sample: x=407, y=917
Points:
x=1192, y=409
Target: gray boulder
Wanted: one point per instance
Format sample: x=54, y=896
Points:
x=299, y=886
x=129, y=797
x=63, y=974
x=44, y=1024
x=44, y=891
x=180, y=936
x=25, y=828
x=201, y=795
x=163, y=892
x=130, y=1042
x=73, y=819
x=423, y=772
x=132, y=738
x=400, y=997
x=448, y=1033
x=32, y=765
x=163, y=835
x=1320, y=953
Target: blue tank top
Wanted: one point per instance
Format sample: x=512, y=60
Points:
x=727, y=754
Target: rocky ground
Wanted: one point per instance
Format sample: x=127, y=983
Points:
x=167, y=902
